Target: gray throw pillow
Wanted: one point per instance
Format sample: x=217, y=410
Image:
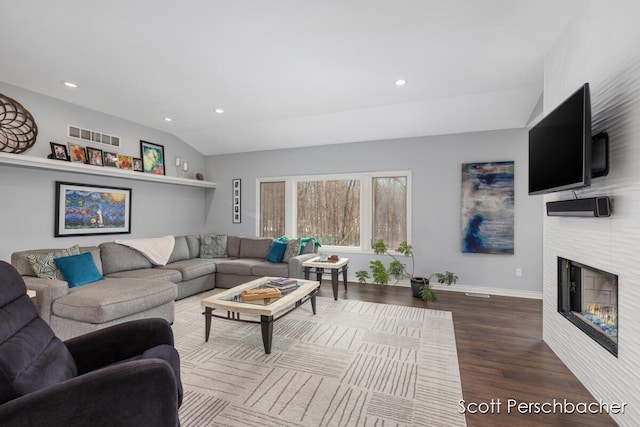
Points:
x=293, y=249
x=213, y=246
x=43, y=265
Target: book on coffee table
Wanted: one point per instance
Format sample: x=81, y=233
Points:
x=283, y=284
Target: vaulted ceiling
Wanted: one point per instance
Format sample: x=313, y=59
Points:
x=287, y=73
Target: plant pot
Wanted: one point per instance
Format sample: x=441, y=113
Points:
x=416, y=284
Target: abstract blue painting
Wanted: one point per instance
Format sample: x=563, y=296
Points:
x=487, y=207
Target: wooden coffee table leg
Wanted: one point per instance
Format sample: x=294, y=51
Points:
x=313, y=302
x=207, y=323
x=266, y=322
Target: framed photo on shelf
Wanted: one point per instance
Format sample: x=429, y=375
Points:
x=83, y=210
x=59, y=151
x=236, y=193
x=137, y=164
x=95, y=156
x=125, y=162
x=152, y=156
x=78, y=153
x=110, y=159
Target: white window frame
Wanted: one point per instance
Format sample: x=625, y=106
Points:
x=366, y=200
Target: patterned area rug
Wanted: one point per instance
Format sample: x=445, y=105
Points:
x=353, y=364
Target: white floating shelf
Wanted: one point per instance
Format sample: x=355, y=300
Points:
x=21, y=160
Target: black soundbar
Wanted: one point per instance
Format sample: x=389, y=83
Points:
x=589, y=207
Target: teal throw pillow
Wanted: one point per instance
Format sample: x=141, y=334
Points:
x=293, y=249
x=277, y=251
x=79, y=270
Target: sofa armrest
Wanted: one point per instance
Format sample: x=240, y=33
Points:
x=47, y=291
x=135, y=393
x=116, y=343
x=295, y=265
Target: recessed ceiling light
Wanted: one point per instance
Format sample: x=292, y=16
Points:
x=218, y=110
x=168, y=119
x=69, y=84
x=400, y=82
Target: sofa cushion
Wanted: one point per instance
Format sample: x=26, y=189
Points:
x=193, y=242
x=241, y=266
x=270, y=269
x=117, y=258
x=255, y=247
x=276, y=252
x=180, y=250
x=233, y=246
x=213, y=246
x=192, y=268
x=112, y=299
x=44, y=266
x=79, y=269
x=150, y=273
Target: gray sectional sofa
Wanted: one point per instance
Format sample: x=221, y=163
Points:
x=134, y=288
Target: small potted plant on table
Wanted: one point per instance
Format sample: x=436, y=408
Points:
x=396, y=269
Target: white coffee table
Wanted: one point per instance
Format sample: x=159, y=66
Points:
x=336, y=268
x=231, y=301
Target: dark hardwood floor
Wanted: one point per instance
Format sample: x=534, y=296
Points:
x=501, y=355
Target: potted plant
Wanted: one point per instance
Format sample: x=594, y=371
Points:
x=397, y=270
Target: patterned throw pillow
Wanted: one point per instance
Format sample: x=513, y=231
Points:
x=213, y=246
x=293, y=249
x=43, y=265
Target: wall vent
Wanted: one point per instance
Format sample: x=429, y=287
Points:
x=92, y=136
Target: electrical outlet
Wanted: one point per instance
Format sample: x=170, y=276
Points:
x=518, y=272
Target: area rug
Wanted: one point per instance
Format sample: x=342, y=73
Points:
x=353, y=364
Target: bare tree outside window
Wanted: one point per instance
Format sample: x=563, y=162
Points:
x=272, y=209
x=329, y=210
x=389, y=210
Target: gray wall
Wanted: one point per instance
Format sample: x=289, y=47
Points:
x=435, y=163
x=27, y=196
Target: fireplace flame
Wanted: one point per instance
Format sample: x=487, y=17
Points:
x=606, y=315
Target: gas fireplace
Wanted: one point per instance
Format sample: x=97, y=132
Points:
x=588, y=298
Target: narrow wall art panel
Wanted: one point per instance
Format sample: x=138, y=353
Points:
x=487, y=207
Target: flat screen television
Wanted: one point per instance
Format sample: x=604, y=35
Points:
x=560, y=146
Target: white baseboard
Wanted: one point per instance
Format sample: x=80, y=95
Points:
x=482, y=290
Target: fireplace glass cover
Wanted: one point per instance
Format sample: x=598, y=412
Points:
x=588, y=298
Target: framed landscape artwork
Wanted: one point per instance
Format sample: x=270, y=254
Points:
x=83, y=210
x=152, y=157
x=487, y=207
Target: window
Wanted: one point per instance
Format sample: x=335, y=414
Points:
x=329, y=211
x=346, y=211
x=389, y=210
x=272, y=209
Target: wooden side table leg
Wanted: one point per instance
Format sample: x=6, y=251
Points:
x=207, y=322
x=334, y=283
x=266, y=322
x=344, y=276
x=307, y=270
x=319, y=272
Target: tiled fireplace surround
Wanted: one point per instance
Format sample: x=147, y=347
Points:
x=600, y=47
